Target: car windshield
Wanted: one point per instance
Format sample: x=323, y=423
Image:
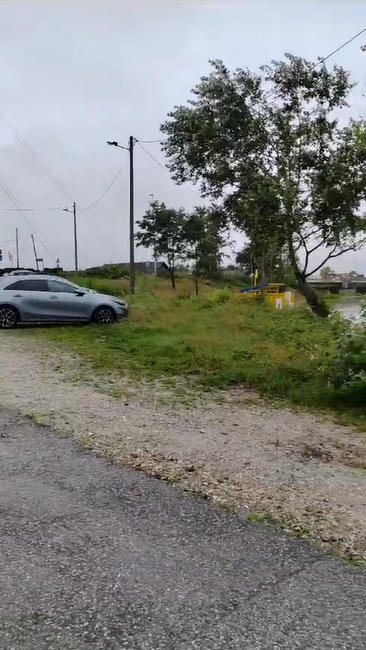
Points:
x=72, y=284
x=78, y=287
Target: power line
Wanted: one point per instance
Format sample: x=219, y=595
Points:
x=92, y=227
x=338, y=49
x=39, y=162
x=97, y=232
x=105, y=191
x=165, y=169
x=31, y=209
x=51, y=176
x=325, y=58
x=321, y=60
x=15, y=202
x=160, y=141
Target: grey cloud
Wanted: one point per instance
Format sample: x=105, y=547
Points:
x=76, y=73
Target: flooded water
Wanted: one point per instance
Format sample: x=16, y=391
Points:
x=350, y=309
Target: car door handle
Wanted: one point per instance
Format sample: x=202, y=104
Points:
x=18, y=295
x=53, y=298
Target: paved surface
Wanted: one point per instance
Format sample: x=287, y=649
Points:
x=92, y=556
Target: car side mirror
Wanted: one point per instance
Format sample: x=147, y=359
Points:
x=80, y=293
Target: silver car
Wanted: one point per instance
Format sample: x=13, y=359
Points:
x=51, y=299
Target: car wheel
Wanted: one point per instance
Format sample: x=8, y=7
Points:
x=104, y=316
x=9, y=317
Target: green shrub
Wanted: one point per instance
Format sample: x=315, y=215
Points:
x=346, y=369
x=220, y=296
x=108, y=271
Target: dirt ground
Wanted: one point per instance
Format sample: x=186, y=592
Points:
x=306, y=474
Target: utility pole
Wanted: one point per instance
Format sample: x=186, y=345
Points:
x=17, y=246
x=132, y=217
x=34, y=250
x=75, y=240
x=131, y=142
x=76, y=258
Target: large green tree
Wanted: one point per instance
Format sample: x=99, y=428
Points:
x=270, y=148
x=161, y=229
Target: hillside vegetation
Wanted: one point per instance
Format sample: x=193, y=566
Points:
x=218, y=339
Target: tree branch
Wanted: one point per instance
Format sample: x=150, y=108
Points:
x=307, y=275
x=319, y=245
x=352, y=247
x=333, y=254
x=304, y=238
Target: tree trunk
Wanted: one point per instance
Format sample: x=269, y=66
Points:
x=196, y=272
x=196, y=282
x=318, y=307
x=172, y=277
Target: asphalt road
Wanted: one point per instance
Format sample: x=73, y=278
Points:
x=94, y=556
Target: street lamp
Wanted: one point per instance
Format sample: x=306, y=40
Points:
x=114, y=143
x=152, y=197
x=131, y=142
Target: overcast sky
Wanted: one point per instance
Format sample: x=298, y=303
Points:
x=76, y=73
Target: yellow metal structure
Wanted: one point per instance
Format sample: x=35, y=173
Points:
x=271, y=288
x=273, y=293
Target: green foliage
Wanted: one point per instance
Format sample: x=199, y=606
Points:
x=204, y=241
x=269, y=148
x=235, y=279
x=245, y=260
x=220, y=296
x=108, y=271
x=177, y=235
x=346, y=369
x=275, y=263
x=101, y=285
x=359, y=133
x=161, y=229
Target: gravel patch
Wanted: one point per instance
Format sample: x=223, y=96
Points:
x=307, y=475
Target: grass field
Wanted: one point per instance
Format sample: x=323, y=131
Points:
x=216, y=340
x=159, y=286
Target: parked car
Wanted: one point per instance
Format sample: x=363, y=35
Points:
x=51, y=299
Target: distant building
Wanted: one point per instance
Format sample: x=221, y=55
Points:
x=340, y=277
x=149, y=267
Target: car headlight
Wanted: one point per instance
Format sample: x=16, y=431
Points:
x=120, y=303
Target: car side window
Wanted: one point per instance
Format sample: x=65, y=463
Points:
x=60, y=287
x=14, y=286
x=28, y=285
